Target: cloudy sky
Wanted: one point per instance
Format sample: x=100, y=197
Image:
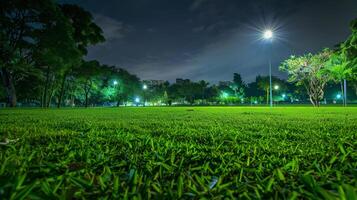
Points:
x=212, y=39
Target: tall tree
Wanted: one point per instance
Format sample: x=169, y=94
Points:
x=128, y=85
x=238, y=86
x=337, y=69
x=203, y=88
x=87, y=73
x=85, y=33
x=19, y=20
x=349, y=49
x=306, y=70
x=55, y=51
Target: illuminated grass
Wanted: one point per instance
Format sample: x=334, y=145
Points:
x=179, y=153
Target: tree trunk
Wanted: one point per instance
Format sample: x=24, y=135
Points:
x=44, y=99
x=87, y=87
x=51, y=93
x=312, y=101
x=342, y=94
x=10, y=87
x=60, y=98
x=345, y=91
x=86, y=102
x=267, y=94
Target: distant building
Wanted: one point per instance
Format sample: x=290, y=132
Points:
x=225, y=83
x=182, y=81
x=153, y=83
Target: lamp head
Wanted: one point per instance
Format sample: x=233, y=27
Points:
x=268, y=34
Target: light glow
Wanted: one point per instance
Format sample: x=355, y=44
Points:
x=268, y=34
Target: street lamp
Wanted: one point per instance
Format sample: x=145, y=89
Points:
x=225, y=95
x=115, y=82
x=338, y=96
x=276, y=87
x=145, y=87
x=137, y=100
x=268, y=35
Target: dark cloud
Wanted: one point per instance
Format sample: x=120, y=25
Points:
x=112, y=28
x=212, y=39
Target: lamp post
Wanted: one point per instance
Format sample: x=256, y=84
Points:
x=276, y=87
x=145, y=87
x=137, y=101
x=115, y=83
x=268, y=35
x=345, y=92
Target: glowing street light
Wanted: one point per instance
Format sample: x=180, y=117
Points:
x=283, y=95
x=276, y=87
x=137, y=100
x=224, y=95
x=338, y=96
x=115, y=82
x=145, y=87
x=268, y=35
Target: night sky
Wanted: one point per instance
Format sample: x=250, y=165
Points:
x=212, y=39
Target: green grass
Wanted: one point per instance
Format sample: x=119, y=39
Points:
x=195, y=152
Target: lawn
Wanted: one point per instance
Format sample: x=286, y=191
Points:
x=179, y=152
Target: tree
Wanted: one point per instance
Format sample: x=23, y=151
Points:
x=85, y=33
x=238, y=86
x=127, y=85
x=42, y=37
x=337, y=69
x=87, y=73
x=349, y=50
x=306, y=70
x=349, y=47
x=203, y=87
x=55, y=51
x=19, y=23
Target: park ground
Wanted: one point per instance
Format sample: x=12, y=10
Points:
x=179, y=152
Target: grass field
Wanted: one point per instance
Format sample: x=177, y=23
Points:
x=249, y=153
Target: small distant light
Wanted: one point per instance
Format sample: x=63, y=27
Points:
x=255, y=102
x=115, y=82
x=145, y=87
x=338, y=96
x=284, y=95
x=137, y=99
x=276, y=87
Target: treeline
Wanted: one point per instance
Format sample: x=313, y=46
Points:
x=42, y=50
